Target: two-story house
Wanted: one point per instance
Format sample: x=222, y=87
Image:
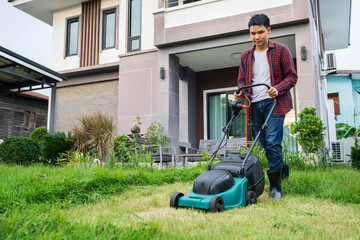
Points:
x=175, y=62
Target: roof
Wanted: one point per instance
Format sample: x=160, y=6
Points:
x=335, y=18
x=18, y=72
x=44, y=9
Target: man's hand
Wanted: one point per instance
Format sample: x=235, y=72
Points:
x=238, y=97
x=273, y=92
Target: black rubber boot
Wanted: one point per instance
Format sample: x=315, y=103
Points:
x=285, y=172
x=275, y=184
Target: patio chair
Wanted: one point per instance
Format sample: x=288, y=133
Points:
x=209, y=146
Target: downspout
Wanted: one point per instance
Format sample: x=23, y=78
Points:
x=52, y=109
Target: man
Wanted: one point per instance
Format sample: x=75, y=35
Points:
x=271, y=63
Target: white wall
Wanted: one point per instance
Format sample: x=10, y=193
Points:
x=199, y=11
x=111, y=55
x=147, y=24
x=59, y=62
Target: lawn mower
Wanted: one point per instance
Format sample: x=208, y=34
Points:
x=236, y=181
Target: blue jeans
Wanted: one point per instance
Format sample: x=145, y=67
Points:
x=272, y=136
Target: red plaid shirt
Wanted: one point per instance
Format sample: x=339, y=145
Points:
x=282, y=74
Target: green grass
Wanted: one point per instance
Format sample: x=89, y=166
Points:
x=101, y=203
x=51, y=185
x=339, y=184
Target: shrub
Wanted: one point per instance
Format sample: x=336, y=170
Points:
x=121, y=148
x=355, y=158
x=39, y=134
x=154, y=133
x=74, y=158
x=19, y=150
x=94, y=134
x=54, y=145
x=309, y=129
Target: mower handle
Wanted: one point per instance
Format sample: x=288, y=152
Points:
x=227, y=129
x=250, y=86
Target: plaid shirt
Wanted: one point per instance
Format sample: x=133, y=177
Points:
x=282, y=74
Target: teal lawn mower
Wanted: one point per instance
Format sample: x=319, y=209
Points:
x=236, y=181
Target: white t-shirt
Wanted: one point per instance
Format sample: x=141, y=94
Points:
x=260, y=74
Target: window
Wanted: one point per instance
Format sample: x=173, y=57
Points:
x=335, y=98
x=109, y=29
x=72, y=33
x=134, y=25
x=29, y=120
x=173, y=3
x=219, y=114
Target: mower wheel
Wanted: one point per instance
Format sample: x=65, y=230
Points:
x=216, y=204
x=250, y=198
x=174, y=201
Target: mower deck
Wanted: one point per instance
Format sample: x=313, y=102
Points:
x=234, y=197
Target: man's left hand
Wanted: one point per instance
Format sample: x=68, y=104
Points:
x=273, y=92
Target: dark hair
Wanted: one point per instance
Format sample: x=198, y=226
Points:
x=259, y=19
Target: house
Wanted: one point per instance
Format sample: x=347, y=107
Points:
x=175, y=62
x=21, y=110
x=21, y=113
x=342, y=75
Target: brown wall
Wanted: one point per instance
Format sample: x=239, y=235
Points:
x=141, y=91
x=219, y=78
x=12, y=114
x=76, y=101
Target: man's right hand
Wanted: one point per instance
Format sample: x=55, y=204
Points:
x=238, y=97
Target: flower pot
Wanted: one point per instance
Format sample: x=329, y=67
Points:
x=135, y=130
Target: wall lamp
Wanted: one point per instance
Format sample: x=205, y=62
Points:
x=303, y=53
x=162, y=73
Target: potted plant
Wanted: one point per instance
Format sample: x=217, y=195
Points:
x=135, y=130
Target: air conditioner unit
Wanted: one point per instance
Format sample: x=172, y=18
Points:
x=331, y=61
x=337, y=149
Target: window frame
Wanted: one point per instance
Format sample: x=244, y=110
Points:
x=104, y=13
x=206, y=94
x=29, y=120
x=131, y=38
x=336, y=99
x=69, y=21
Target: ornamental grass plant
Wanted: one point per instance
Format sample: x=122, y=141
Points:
x=94, y=133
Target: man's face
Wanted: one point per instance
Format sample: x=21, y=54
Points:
x=259, y=35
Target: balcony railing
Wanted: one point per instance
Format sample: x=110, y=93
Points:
x=174, y=3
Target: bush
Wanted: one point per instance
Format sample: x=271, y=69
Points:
x=355, y=158
x=39, y=134
x=154, y=133
x=121, y=148
x=19, y=150
x=54, y=145
x=309, y=129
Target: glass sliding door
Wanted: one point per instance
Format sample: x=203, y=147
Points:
x=219, y=114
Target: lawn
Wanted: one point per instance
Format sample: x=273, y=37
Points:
x=101, y=203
